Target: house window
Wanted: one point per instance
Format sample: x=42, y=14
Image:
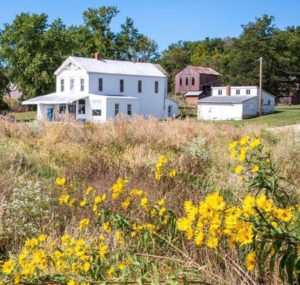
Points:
x=237, y=91
x=269, y=102
x=81, y=84
x=248, y=91
x=129, y=109
x=169, y=110
x=117, y=109
x=156, y=87
x=186, y=81
x=140, y=86
x=81, y=106
x=62, y=108
x=72, y=108
x=193, y=81
x=71, y=84
x=180, y=81
x=100, y=84
x=219, y=92
x=121, y=85
x=97, y=112
x=62, y=85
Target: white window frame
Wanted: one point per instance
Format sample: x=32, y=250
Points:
x=82, y=84
x=62, y=85
x=72, y=84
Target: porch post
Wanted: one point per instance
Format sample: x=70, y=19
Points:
x=26, y=113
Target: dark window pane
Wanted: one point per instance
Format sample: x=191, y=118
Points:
x=121, y=85
x=129, y=109
x=81, y=107
x=140, y=86
x=100, y=84
x=97, y=112
x=117, y=109
x=156, y=87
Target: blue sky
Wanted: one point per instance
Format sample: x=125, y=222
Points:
x=166, y=21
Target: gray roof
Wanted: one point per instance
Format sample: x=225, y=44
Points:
x=193, y=93
x=93, y=65
x=226, y=99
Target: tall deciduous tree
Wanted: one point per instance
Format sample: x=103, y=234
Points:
x=98, y=22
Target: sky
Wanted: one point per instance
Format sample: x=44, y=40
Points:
x=166, y=21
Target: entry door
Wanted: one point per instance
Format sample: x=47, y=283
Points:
x=50, y=114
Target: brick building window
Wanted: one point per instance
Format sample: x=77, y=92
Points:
x=180, y=81
x=193, y=81
x=186, y=81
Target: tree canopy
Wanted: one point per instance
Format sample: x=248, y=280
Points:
x=32, y=49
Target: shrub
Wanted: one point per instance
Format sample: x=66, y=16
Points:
x=28, y=211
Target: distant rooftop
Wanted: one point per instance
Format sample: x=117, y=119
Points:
x=204, y=70
x=226, y=99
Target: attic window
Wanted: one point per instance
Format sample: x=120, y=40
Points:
x=81, y=84
x=72, y=84
x=248, y=91
x=62, y=85
x=238, y=92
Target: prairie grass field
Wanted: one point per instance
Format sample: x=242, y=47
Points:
x=118, y=192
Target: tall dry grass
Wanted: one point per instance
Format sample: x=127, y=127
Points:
x=97, y=154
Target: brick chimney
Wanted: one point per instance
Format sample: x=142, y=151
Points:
x=228, y=91
x=97, y=55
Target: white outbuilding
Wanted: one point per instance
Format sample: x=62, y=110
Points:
x=234, y=103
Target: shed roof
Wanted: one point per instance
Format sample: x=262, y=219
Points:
x=193, y=93
x=226, y=99
x=107, y=66
x=204, y=70
x=54, y=98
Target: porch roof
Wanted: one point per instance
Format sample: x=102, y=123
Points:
x=54, y=98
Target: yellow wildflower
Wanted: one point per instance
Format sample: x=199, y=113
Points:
x=63, y=198
x=238, y=169
x=60, y=181
x=118, y=188
x=110, y=272
x=83, y=223
x=172, y=173
x=8, y=267
x=233, y=145
x=244, y=140
x=42, y=237
x=106, y=227
x=255, y=168
x=83, y=202
x=255, y=143
x=89, y=190
x=250, y=260
x=72, y=201
x=212, y=242
x=160, y=202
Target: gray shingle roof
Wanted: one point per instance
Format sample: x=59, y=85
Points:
x=118, y=67
x=226, y=99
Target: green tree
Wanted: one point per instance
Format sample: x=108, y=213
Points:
x=98, y=22
x=3, y=88
x=147, y=49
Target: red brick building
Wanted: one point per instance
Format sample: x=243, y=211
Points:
x=195, y=78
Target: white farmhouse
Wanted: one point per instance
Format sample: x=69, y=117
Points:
x=234, y=103
x=94, y=89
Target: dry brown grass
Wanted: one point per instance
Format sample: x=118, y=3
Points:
x=96, y=154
